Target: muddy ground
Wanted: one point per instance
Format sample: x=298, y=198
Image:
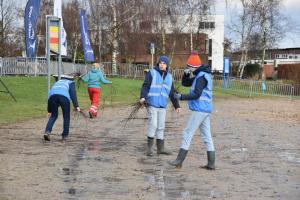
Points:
x=257, y=156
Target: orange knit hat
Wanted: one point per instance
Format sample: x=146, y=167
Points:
x=194, y=60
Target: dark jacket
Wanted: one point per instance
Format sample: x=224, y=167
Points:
x=200, y=84
x=147, y=83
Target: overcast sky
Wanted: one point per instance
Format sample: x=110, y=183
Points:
x=291, y=8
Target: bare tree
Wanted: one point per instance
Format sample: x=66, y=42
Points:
x=244, y=27
x=71, y=25
x=271, y=26
x=7, y=13
x=114, y=13
x=46, y=8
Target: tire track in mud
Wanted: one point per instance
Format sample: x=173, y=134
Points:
x=81, y=174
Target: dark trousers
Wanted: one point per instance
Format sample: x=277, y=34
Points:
x=53, y=103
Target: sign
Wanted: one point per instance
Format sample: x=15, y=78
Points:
x=152, y=48
x=226, y=65
x=30, y=21
x=54, y=35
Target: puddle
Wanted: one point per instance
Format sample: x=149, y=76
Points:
x=239, y=150
x=291, y=157
x=169, y=187
x=149, y=160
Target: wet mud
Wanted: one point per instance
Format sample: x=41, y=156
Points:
x=257, y=156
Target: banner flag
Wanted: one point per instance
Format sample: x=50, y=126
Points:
x=57, y=12
x=88, y=51
x=30, y=21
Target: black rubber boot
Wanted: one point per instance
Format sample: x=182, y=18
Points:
x=47, y=136
x=180, y=158
x=150, y=142
x=160, y=144
x=210, y=161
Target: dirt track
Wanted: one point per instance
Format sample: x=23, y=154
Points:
x=257, y=148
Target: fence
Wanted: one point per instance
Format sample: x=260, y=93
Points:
x=38, y=66
x=252, y=87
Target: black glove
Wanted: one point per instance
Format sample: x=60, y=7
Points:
x=177, y=96
x=187, y=71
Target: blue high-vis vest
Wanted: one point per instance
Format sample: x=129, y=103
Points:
x=159, y=90
x=204, y=102
x=61, y=87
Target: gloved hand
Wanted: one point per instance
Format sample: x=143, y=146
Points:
x=177, y=96
x=187, y=71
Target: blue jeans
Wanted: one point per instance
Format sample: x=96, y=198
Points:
x=53, y=103
x=156, y=122
x=197, y=120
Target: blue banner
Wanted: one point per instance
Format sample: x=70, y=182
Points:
x=30, y=21
x=88, y=51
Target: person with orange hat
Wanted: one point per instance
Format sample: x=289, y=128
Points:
x=200, y=103
x=156, y=90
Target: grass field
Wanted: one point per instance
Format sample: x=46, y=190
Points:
x=31, y=95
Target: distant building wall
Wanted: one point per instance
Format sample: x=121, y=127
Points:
x=213, y=27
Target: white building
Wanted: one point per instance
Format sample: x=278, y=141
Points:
x=213, y=26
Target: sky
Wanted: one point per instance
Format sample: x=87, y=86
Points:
x=291, y=8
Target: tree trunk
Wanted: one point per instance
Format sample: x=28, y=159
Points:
x=263, y=76
x=100, y=42
x=244, y=63
x=114, y=40
x=163, y=35
x=75, y=53
x=240, y=64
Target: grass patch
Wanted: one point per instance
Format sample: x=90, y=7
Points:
x=31, y=95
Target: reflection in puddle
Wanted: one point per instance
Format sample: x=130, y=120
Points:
x=239, y=150
x=170, y=187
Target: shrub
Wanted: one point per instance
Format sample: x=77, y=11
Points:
x=251, y=70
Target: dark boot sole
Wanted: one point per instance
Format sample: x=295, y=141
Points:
x=150, y=155
x=174, y=165
x=207, y=167
x=47, y=138
x=164, y=153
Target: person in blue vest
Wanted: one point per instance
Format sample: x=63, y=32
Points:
x=156, y=90
x=199, y=99
x=62, y=92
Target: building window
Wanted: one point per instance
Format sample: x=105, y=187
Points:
x=201, y=25
x=207, y=25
